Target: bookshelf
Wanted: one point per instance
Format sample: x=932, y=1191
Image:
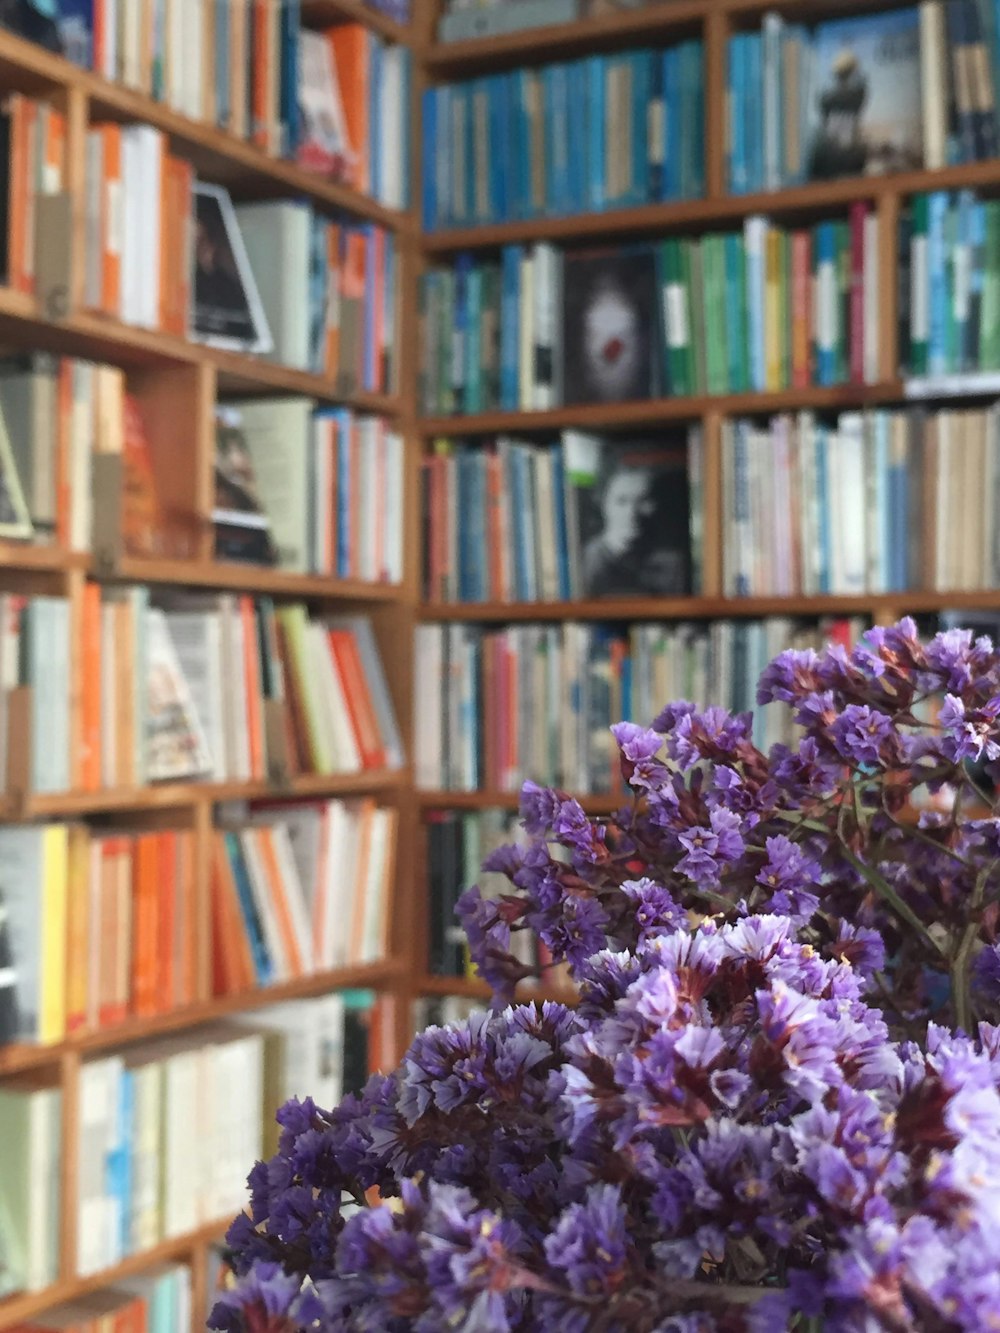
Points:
x=178, y=383
x=181, y=380
x=713, y=22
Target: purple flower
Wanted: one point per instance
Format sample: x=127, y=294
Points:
x=588, y=1244
x=864, y=736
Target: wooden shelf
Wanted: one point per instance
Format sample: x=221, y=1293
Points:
x=215, y=153
x=510, y=800
x=818, y=197
x=707, y=608
x=473, y=989
x=21, y=1056
x=22, y=1308
x=100, y=337
x=652, y=411
x=177, y=795
x=234, y=577
x=331, y=12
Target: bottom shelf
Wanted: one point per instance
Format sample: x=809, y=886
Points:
x=27, y=1305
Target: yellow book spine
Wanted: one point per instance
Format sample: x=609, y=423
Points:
x=77, y=927
x=52, y=1024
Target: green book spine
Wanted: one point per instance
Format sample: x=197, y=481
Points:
x=716, y=351
x=678, y=299
x=989, y=315
x=737, y=276
x=473, y=348
x=696, y=287
x=952, y=331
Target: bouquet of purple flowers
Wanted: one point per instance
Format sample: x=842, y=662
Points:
x=776, y=1104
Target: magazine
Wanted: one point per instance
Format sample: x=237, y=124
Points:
x=227, y=307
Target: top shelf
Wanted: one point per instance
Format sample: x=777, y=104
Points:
x=222, y=156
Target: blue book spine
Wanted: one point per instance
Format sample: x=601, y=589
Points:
x=119, y=1162
x=576, y=96
x=469, y=149
x=755, y=314
x=291, y=24
x=460, y=326
x=75, y=20
x=345, y=500
x=559, y=520
x=522, y=144
x=429, y=129
x=737, y=123
x=510, y=302
x=564, y=134
x=553, y=151
x=669, y=125
x=498, y=146
x=823, y=505
x=596, y=171
x=656, y=120
x=753, y=108
x=480, y=528
x=693, y=119
x=443, y=158
x=473, y=352
x=937, y=259
x=641, y=68
x=826, y=269
x=735, y=332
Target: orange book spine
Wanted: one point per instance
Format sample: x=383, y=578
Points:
x=78, y=929
x=349, y=43
x=259, y=99
x=145, y=907
x=90, y=694
x=801, y=309
x=55, y=153
x=223, y=941
x=111, y=221
x=359, y=699
x=231, y=958
x=108, y=1013
x=254, y=693
x=166, y=925
x=186, y=924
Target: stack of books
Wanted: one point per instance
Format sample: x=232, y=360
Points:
x=337, y=100
x=591, y=516
x=299, y=890
x=33, y=152
x=101, y=927
x=768, y=308
x=538, y=701
x=156, y=1301
x=609, y=131
x=215, y=687
x=870, y=502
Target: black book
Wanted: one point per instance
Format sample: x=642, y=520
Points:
x=609, y=326
x=10, y=1026
x=357, y=1023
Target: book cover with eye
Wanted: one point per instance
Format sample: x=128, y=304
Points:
x=609, y=326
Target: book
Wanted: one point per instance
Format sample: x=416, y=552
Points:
x=227, y=310
x=608, y=326
x=241, y=524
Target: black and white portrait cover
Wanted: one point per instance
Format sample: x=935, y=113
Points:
x=609, y=325
x=227, y=310
x=629, y=503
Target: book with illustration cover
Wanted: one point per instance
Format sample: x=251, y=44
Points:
x=609, y=325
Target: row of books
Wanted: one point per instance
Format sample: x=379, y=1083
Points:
x=949, y=247
x=316, y=492
x=589, y=516
x=335, y=100
x=157, y=1301
x=33, y=151
x=298, y=890
x=140, y=1178
x=767, y=308
x=608, y=131
x=538, y=701
x=872, y=502
x=214, y=687
x=164, y=251
x=464, y=19
x=99, y=926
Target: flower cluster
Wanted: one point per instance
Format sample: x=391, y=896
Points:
x=776, y=1103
